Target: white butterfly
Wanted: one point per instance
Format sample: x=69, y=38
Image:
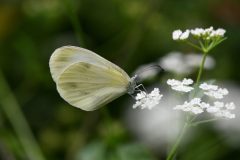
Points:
x=86, y=80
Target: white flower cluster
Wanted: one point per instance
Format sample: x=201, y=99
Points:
x=145, y=100
x=219, y=109
x=208, y=33
x=182, y=86
x=179, y=35
x=180, y=63
x=196, y=106
x=213, y=91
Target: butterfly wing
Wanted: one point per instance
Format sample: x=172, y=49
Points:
x=65, y=56
x=85, y=79
x=88, y=86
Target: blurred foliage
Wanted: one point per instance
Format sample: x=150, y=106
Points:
x=127, y=32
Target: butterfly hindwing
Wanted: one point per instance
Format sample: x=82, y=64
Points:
x=89, y=86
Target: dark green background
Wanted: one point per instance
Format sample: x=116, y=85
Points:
x=126, y=32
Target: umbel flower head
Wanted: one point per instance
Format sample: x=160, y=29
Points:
x=197, y=106
x=182, y=86
x=213, y=91
x=145, y=100
x=184, y=64
x=205, y=34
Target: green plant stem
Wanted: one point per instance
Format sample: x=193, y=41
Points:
x=173, y=151
x=188, y=123
x=194, y=45
x=203, y=121
x=14, y=114
x=201, y=68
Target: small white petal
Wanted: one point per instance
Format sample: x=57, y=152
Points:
x=213, y=109
x=182, y=88
x=173, y=82
x=205, y=105
x=220, y=32
x=219, y=104
x=196, y=110
x=176, y=34
x=184, y=35
x=230, y=106
x=187, y=81
x=195, y=101
x=205, y=86
x=140, y=95
x=227, y=114
x=223, y=91
x=144, y=100
x=197, y=32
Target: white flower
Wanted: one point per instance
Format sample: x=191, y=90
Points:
x=222, y=110
x=230, y=106
x=140, y=95
x=213, y=90
x=219, y=109
x=212, y=109
x=225, y=114
x=197, y=32
x=181, y=86
x=173, y=82
x=179, y=63
x=220, y=32
x=196, y=110
x=175, y=62
x=205, y=34
x=179, y=35
x=176, y=34
x=205, y=86
x=187, y=81
x=219, y=104
x=208, y=30
x=184, y=35
x=145, y=100
x=195, y=106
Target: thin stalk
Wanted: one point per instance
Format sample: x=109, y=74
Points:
x=173, y=151
x=14, y=114
x=201, y=68
x=194, y=45
x=203, y=121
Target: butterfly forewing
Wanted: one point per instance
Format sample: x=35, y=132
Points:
x=88, y=86
x=65, y=56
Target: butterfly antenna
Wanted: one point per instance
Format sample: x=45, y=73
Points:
x=151, y=67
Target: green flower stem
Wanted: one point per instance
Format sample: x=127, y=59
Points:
x=173, y=151
x=203, y=121
x=201, y=68
x=194, y=45
x=14, y=114
x=189, y=120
